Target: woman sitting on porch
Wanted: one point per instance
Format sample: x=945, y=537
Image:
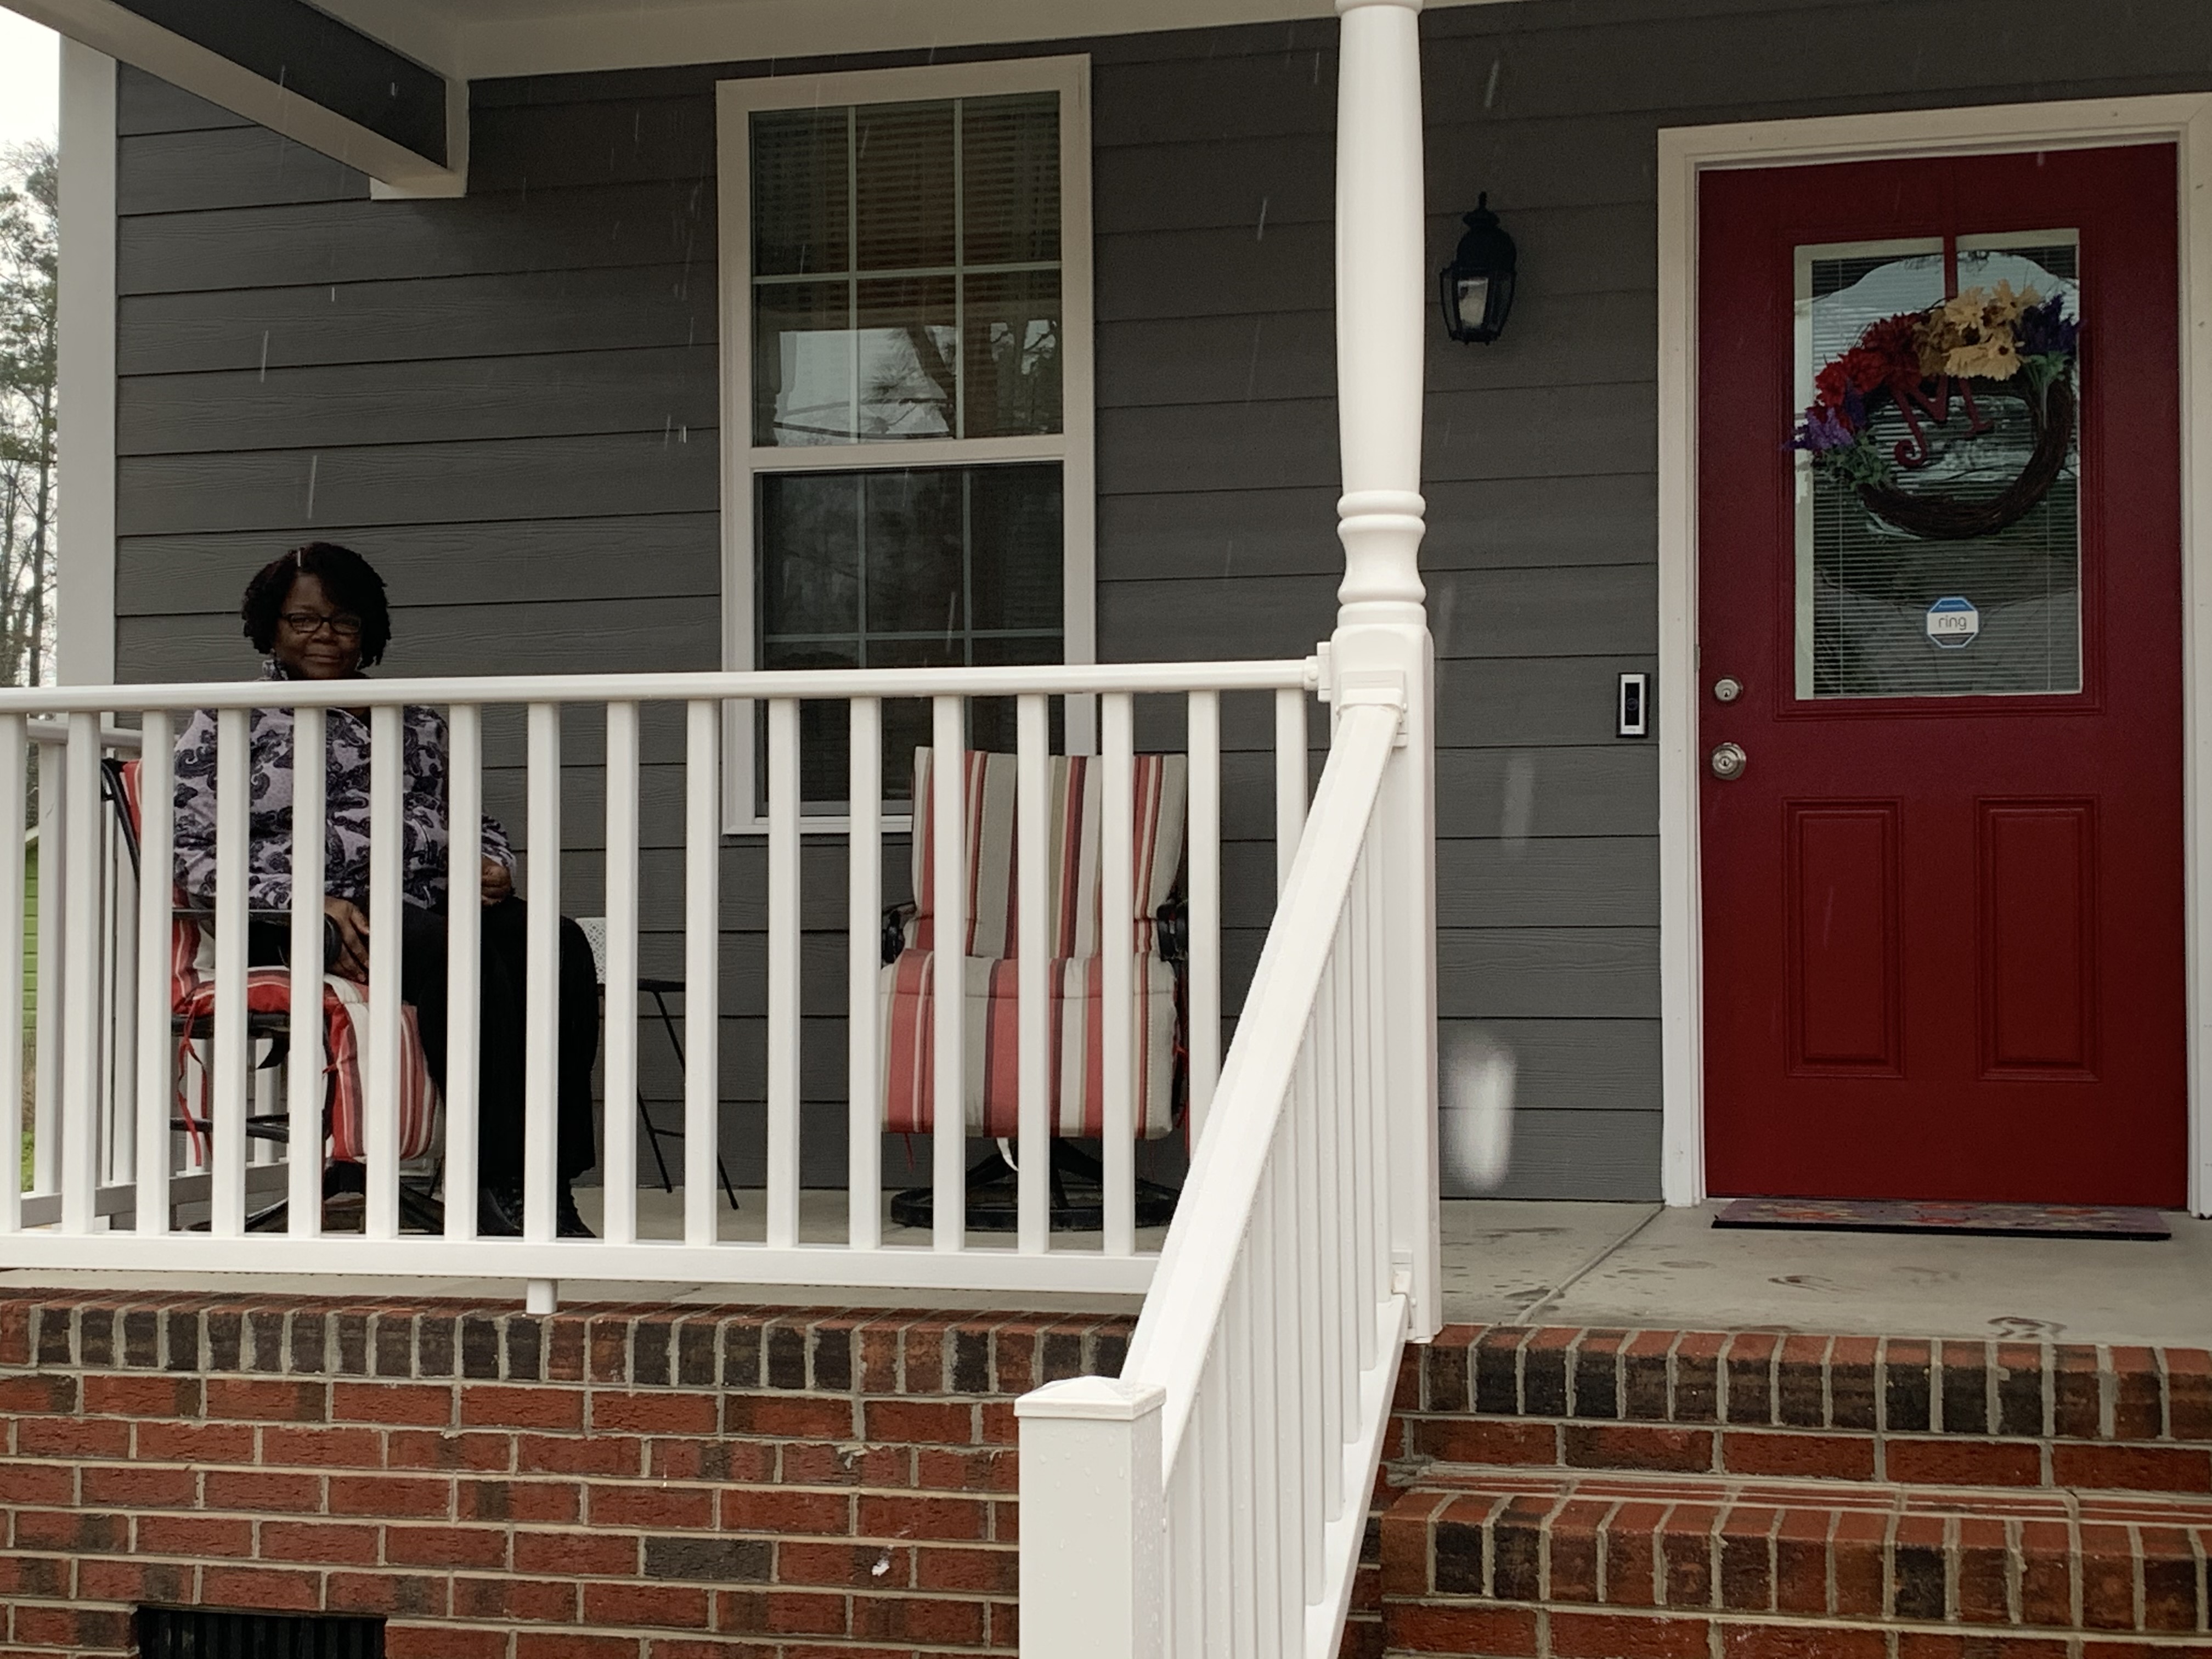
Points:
x=318, y=613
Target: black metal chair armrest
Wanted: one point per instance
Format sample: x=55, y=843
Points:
x=896, y=917
x=1172, y=927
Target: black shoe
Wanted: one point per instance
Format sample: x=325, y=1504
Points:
x=568, y=1221
x=499, y=1209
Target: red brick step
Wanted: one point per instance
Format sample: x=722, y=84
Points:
x=1587, y=1494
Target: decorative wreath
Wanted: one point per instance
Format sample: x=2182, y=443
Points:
x=1984, y=343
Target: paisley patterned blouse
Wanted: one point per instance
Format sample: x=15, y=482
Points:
x=346, y=852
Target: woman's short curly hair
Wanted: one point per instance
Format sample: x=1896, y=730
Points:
x=349, y=580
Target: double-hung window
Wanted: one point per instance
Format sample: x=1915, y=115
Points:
x=907, y=388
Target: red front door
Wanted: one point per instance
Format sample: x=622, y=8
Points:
x=1943, y=947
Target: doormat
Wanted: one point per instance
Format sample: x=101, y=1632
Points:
x=1894, y=1215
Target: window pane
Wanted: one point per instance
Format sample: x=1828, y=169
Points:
x=811, y=565
x=1012, y=362
x=917, y=540
x=1010, y=179
x=1886, y=608
x=802, y=208
x=908, y=350
x=884, y=568
x=802, y=363
x=1015, y=522
x=905, y=186
x=994, y=723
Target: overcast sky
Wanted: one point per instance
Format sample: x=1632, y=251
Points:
x=30, y=80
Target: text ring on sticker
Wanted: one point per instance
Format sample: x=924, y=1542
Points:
x=1952, y=622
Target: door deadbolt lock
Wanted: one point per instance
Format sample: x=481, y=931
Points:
x=1727, y=689
x=1729, y=761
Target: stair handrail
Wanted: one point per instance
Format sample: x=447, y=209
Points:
x=1221, y=1482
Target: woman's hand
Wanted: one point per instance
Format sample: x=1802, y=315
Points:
x=351, y=961
x=498, y=883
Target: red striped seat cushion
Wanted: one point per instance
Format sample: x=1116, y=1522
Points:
x=1073, y=930
x=1075, y=1045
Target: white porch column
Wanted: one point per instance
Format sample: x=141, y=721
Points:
x=1381, y=640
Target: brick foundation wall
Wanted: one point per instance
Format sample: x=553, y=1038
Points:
x=646, y=1482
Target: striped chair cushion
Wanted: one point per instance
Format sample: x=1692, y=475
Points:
x=1075, y=1094
x=345, y=1031
x=1158, y=787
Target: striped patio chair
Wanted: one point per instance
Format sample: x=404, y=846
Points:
x=1077, y=937
x=268, y=1004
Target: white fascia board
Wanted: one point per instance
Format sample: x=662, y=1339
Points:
x=561, y=39
x=121, y=33
x=85, y=355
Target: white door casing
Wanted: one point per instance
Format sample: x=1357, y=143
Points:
x=1684, y=153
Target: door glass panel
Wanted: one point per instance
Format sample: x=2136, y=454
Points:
x=1948, y=563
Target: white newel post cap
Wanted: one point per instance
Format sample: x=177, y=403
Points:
x=1094, y=1399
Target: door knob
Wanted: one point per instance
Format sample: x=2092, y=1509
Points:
x=1729, y=761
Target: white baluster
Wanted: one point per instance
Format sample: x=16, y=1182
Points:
x=1207, y=1439
x=1290, y=779
x=14, y=762
x=1353, y=1308
x=1333, y=1224
x=1033, y=989
x=949, y=887
x=53, y=874
x=1204, y=938
x=464, y=966
x=1313, y=1452
x=157, y=1042
x=702, y=1002
x=234, y=800
x=864, y=1063
x=1281, y=1385
x=1185, y=1558
x=387, y=785
x=1241, y=1591
x=305, y=1085
x=1372, y=1120
x=1116, y=955
x=618, y=1157
x=541, y=1076
x=784, y=967
x=118, y=1022
x=1266, y=1518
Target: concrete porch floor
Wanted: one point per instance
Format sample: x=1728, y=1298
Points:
x=1520, y=1262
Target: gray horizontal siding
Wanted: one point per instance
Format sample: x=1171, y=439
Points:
x=510, y=401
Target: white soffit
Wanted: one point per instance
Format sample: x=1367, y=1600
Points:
x=489, y=39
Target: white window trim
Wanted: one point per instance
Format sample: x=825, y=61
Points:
x=1074, y=446
x=1684, y=153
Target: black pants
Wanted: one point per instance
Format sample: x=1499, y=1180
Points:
x=501, y=1039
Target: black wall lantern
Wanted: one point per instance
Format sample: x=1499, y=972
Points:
x=1477, y=286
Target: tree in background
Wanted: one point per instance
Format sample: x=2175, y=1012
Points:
x=30, y=179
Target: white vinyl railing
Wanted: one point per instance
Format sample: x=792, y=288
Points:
x=116, y=1185
x=1212, y=1500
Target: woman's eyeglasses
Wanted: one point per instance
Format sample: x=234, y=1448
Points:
x=306, y=624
